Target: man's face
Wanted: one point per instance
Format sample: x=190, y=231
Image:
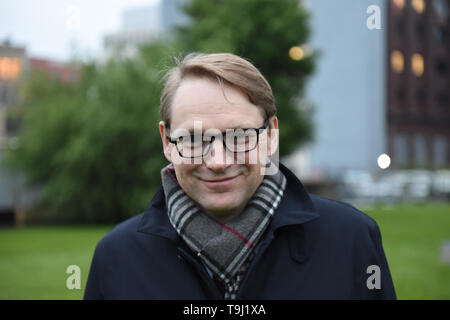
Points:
x=219, y=183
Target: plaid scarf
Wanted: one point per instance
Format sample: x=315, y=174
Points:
x=226, y=249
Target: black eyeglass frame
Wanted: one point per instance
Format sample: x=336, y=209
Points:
x=258, y=131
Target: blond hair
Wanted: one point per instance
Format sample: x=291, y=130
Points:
x=225, y=68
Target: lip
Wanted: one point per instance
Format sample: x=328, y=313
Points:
x=221, y=182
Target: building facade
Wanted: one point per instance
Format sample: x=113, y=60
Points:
x=347, y=89
x=378, y=90
x=12, y=65
x=144, y=25
x=418, y=82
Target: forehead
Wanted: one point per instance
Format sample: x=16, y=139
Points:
x=214, y=105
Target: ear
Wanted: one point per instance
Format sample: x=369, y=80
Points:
x=272, y=135
x=166, y=144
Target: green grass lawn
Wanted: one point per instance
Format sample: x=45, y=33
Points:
x=412, y=239
x=33, y=260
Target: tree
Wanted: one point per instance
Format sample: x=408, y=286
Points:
x=262, y=31
x=94, y=145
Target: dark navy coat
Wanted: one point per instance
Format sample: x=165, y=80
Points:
x=314, y=248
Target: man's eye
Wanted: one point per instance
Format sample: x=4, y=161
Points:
x=190, y=140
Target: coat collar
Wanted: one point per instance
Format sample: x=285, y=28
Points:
x=296, y=208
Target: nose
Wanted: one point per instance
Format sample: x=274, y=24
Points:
x=218, y=159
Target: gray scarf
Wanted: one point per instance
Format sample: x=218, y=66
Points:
x=226, y=249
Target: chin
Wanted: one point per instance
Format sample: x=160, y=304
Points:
x=220, y=208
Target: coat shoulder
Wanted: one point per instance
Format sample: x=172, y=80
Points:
x=121, y=233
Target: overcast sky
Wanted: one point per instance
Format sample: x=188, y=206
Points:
x=52, y=28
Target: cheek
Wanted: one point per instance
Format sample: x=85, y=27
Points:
x=257, y=175
x=184, y=173
x=252, y=179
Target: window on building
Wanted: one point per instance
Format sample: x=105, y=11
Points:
x=399, y=27
x=420, y=95
x=440, y=151
x=398, y=4
x=440, y=66
x=417, y=64
x=420, y=150
x=441, y=34
x=418, y=6
x=397, y=61
x=400, y=94
x=441, y=9
x=420, y=30
x=400, y=156
x=442, y=98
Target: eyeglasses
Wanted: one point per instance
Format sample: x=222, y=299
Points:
x=234, y=140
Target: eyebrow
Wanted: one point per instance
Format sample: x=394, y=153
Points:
x=264, y=126
x=191, y=132
x=245, y=126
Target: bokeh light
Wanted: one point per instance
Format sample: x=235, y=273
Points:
x=417, y=64
x=397, y=61
x=418, y=5
x=384, y=161
x=296, y=53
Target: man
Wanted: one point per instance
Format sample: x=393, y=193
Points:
x=224, y=225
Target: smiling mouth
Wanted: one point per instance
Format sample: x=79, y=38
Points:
x=223, y=181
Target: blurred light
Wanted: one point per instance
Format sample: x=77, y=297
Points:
x=418, y=5
x=397, y=61
x=296, y=53
x=384, y=161
x=9, y=68
x=417, y=64
x=400, y=4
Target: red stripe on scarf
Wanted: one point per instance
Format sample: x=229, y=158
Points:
x=248, y=243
